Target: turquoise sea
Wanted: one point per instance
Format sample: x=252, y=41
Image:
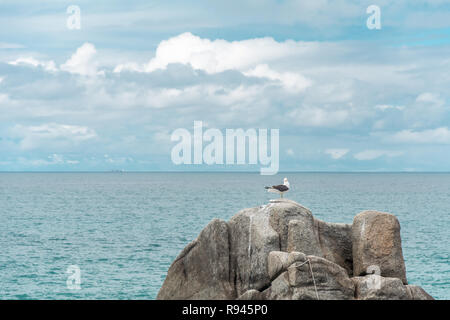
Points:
x=124, y=229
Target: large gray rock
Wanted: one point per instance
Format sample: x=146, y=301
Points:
x=417, y=293
x=332, y=281
x=280, y=289
x=269, y=252
x=303, y=236
x=251, y=240
x=279, y=261
x=323, y=280
x=250, y=295
x=377, y=244
x=281, y=213
x=201, y=270
x=375, y=287
x=332, y=241
x=335, y=241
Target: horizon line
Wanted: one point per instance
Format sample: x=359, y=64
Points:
x=212, y=171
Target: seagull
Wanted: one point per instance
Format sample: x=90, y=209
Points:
x=282, y=188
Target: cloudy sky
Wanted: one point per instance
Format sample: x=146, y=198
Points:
x=109, y=95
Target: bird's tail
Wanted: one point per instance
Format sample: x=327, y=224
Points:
x=267, y=187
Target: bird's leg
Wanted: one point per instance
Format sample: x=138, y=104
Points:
x=281, y=195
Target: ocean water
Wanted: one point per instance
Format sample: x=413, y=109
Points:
x=124, y=229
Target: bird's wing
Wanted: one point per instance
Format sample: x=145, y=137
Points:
x=281, y=187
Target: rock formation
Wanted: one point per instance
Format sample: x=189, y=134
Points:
x=376, y=242
x=280, y=251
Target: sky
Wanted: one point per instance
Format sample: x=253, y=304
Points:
x=109, y=95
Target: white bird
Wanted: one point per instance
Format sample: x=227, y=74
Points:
x=281, y=188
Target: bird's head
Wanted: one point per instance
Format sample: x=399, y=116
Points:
x=286, y=182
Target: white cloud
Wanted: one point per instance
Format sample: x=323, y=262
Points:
x=82, y=61
x=427, y=111
x=379, y=124
x=47, y=65
x=53, y=159
x=384, y=107
x=219, y=55
x=336, y=153
x=211, y=94
x=438, y=135
x=58, y=134
x=163, y=136
x=374, y=154
x=291, y=81
x=341, y=102
x=3, y=98
x=317, y=117
x=430, y=98
x=117, y=160
x=6, y=45
x=251, y=57
x=6, y=103
x=56, y=158
x=129, y=66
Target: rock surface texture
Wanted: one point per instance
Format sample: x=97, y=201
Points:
x=280, y=251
